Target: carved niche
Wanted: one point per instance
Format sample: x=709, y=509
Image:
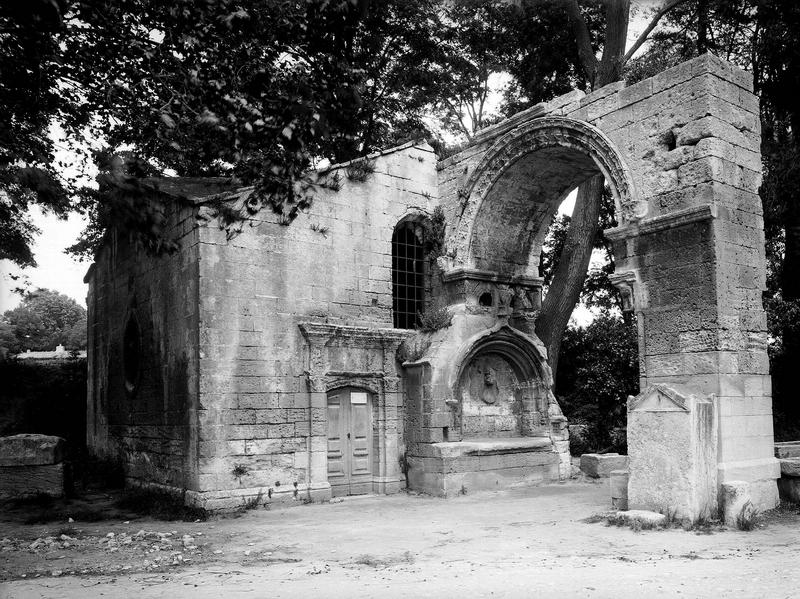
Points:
x=491, y=398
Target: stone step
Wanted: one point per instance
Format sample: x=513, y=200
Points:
x=787, y=449
x=29, y=481
x=790, y=467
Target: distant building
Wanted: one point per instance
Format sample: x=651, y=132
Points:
x=60, y=353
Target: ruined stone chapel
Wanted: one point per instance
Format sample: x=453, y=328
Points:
x=282, y=362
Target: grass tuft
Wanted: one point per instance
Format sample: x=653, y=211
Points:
x=747, y=518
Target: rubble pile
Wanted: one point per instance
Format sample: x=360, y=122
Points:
x=159, y=549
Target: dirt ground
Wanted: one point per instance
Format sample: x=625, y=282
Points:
x=533, y=541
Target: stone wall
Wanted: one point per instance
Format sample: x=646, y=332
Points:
x=246, y=332
x=288, y=313
x=692, y=138
x=680, y=152
x=152, y=426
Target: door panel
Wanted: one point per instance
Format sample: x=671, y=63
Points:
x=349, y=442
x=337, y=467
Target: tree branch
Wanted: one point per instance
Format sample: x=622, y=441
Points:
x=652, y=25
x=457, y=114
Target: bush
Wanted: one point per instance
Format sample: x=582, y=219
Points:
x=598, y=368
x=783, y=318
x=44, y=397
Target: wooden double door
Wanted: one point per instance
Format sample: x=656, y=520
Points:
x=349, y=441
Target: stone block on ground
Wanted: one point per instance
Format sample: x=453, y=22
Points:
x=31, y=450
x=644, y=518
x=28, y=481
x=619, y=489
x=600, y=465
x=735, y=498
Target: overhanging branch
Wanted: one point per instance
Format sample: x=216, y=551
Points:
x=668, y=6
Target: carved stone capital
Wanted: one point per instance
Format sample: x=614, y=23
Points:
x=625, y=282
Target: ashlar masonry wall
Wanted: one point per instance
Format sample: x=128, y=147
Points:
x=692, y=136
x=289, y=313
x=148, y=424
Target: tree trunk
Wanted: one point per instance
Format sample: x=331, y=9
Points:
x=702, y=26
x=570, y=273
x=574, y=260
x=617, y=13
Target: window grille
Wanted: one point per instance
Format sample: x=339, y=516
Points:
x=408, y=275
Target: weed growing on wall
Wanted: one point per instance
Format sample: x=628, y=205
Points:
x=435, y=318
x=317, y=228
x=435, y=234
x=360, y=170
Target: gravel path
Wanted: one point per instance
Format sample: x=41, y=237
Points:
x=523, y=542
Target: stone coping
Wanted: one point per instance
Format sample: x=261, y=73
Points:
x=474, y=274
x=492, y=446
x=324, y=331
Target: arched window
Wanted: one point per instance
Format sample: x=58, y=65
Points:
x=408, y=275
x=131, y=354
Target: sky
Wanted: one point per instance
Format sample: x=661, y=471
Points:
x=56, y=270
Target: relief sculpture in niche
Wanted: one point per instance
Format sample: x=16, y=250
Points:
x=490, y=398
x=490, y=391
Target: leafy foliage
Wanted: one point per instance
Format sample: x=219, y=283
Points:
x=474, y=44
x=544, y=61
x=43, y=320
x=47, y=398
x=599, y=368
x=257, y=89
x=30, y=97
x=435, y=228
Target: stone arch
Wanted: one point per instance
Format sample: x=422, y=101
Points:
x=500, y=383
x=415, y=215
x=527, y=355
x=528, y=172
